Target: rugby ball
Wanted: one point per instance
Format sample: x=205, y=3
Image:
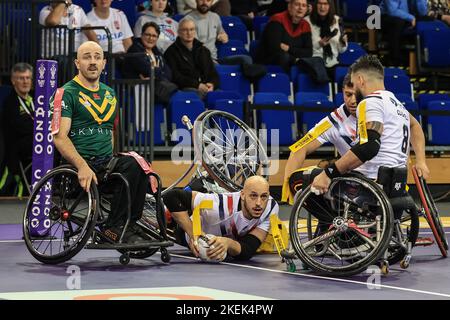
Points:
x=203, y=246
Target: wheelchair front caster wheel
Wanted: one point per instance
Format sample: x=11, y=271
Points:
x=165, y=256
x=384, y=268
x=124, y=259
x=404, y=264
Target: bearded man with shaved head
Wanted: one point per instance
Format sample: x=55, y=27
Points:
x=84, y=113
x=239, y=221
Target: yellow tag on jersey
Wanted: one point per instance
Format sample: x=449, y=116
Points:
x=196, y=221
x=362, y=129
x=311, y=136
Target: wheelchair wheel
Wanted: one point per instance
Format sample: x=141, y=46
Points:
x=72, y=214
x=431, y=213
x=344, y=231
x=406, y=232
x=230, y=151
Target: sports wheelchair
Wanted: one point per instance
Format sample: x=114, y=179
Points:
x=226, y=152
x=353, y=225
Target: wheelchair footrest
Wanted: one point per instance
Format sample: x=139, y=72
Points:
x=130, y=246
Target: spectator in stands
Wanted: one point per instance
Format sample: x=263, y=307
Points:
x=221, y=7
x=327, y=38
x=246, y=10
x=190, y=61
x=117, y=23
x=439, y=10
x=287, y=37
x=18, y=115
x=208, y=26
x=167, y=25
x=63, y=14
x=139, y=66
x=397, y=15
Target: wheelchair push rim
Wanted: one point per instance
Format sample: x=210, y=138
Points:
x=355, y=239
x=228, y=149
x=72, y=214
x=431, y=213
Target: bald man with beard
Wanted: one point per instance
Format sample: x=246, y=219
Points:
x=84, y=111
x=239, y=221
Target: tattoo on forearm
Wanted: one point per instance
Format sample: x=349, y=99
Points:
x=376, y=126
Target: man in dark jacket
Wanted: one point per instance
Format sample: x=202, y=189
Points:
x=287, y=37
x=18, y=115
x=191, y=63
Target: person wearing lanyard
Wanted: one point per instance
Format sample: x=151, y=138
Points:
x=17, y=119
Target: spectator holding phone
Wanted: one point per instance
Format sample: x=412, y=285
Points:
x=328, y=38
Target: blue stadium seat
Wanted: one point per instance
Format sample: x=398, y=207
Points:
x=230, y=19
x=178, y=17
x=407, y=101
x=426, y=98
x=129, y=8
x=425, y=26
x=228, y=68
x=213, y=96
x=275, y=82
x=306, y=84
x=184, y=95
x=257, y=22
x=4, y=93
x=233, y=106
x=339, y=74
x=234, y=81
x=253, y=48
x=354, y=10
x=353, y=52
x=228, y=51
x=436, y=46
x=273, y=68
x=281, y=121
x=438, y=128
x=179, y=108
x=391, y=71
x=309, y=100
x=236, y=31
x=338, y=99
x=398, y=84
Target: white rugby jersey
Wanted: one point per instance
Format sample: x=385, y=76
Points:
x=226, y=219
x=382, y=106
x=343, y=132
x=118, y=26
x=77, y=20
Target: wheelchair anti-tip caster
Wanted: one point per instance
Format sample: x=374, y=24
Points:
x=124, y=259
x=291, y=267
x=165, y=256
x=404, y=264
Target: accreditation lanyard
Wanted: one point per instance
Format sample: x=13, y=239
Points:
x=25, y=107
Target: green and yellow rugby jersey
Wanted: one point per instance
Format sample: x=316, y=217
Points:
x=93, y=113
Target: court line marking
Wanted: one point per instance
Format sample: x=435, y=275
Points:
x=323, y=278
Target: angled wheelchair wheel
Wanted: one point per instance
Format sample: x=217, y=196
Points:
x=228, y=149
x=71, y=215
x=405, y=232
x=431, y=213
x=344, y=231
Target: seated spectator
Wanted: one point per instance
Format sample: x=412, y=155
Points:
x=327, y=38
x=397, y=15
x=60, y=14
x=439, y=10
x=167, y=25
x=286, y=38
x=117, y=23
x=221, y=7
x=190, y=61
x=209, y=31
x=17, y=119
x=246, y=10
x=139, y=66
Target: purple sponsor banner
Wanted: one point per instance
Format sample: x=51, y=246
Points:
x=46, y=84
